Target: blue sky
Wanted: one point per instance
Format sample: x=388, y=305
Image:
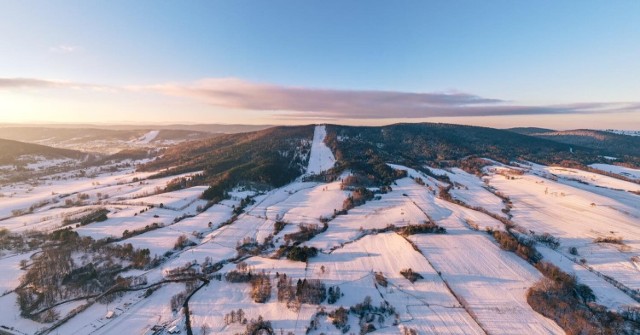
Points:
x=559, y=64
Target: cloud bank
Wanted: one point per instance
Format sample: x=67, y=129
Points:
x=310, y=103
x=298, y=102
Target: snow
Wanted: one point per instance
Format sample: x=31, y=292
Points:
x=177, y=200
x=127, y=218
x=576, y=214
x=10, y=316
x=44, y=163
x=591, y=178
x=389, y=253
x=321, y=157
x=492, y=282
x=407, y=203
x=137, y=316
x=266, y=205
x=117, y=192
x=148, y=137
x=219, y=298
x=606, y=294
x=350, y=268
x=430, y=182
x=470, y=285
x=308, y=205
x=161, y=240
x=11, y=272
x=23, y=195
x=624, y=132
x=473, y=191
x=621, y=170
x=436, y=171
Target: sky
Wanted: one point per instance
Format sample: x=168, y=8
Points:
x=554, y=64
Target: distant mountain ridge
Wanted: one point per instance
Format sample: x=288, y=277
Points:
x=105, y=141
x=204, y=127
x=609, y=143
x=624, y=132
x=39, y=134
x=530, y=130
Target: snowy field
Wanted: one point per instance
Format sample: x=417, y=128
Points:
x=472, y=190
x=577, y=214
x=621, y=170
x=590, y=178
x=468, y=284
x=492, y=282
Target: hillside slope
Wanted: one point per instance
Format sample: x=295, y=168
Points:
x=492, y=249
x=278, y=155
x=443, y=145
x=607, y=142
x=106, y=141
x=274, y=157
x=11, y=151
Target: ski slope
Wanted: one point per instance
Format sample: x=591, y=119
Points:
x=321, y=158
x=148, y=137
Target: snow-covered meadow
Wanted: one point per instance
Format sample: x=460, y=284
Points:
x=468, y=284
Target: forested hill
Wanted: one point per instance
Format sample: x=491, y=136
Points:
x=276, y=156
x=607, y=142
x=11, y=150
x=435, y=143
x=272, y=157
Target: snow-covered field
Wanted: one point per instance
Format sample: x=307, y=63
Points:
x=11, y=271
x=577, y=214
x=393, y=208
x=588, y=178
x=353, y=267
x=163, y=239
x=469, y=285
x=472, y=190
x=621, y=170
x=492, y=282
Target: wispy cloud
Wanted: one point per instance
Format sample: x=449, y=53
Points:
x=12, y=83
x=35, y=83
x=65, y=49
x=302, y=103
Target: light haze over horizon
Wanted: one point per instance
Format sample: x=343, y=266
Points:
x=560, y=65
